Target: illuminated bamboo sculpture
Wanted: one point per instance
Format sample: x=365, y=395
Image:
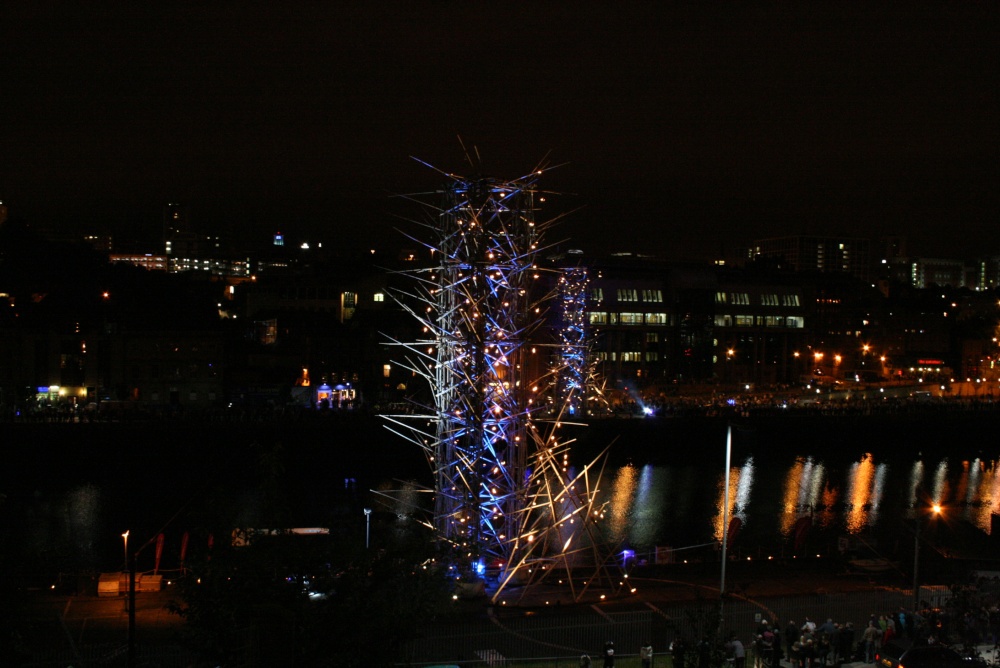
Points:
x=505, y=498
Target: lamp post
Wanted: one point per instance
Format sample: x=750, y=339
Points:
x=130, y=567
x=935, y=510
x=725, y=522
x=368, y=520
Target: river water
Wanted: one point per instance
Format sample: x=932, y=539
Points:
x=800, y=485
x=797, y=484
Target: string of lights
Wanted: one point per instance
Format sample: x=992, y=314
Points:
x=506, y=499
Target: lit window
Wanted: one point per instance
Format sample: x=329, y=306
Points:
x=630, y=318
x=656, y=318
x=720, y=297
x=789, y=300
x=386, y=370
x=380, y=296
x=628, y=295
x=739, y=298
x=596, y=294
x=598, y=318
x=652, y=296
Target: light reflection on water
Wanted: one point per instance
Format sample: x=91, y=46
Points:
x=864, y=491
x=740, y=485
x=940, y=482
x=621, y=503
x=650, y=505
x=668, y=505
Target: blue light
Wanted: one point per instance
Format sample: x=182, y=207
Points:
x=731, y=402
x=628, y=554
x=479, y=567
x=647, y=410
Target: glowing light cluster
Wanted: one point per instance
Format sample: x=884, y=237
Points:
x=504, y=497
x=576, y=386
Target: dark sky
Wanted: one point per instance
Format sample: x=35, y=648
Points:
x=681, y=129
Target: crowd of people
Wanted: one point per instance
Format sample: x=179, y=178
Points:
x=762, y=404
x=830, y=643
x=815, y=645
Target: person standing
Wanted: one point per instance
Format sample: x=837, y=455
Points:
x=835, y=656
x=678, y=650
x=646, y=655
x=735, y=648
x=609, y=654
x=845, y=642
x=768, y=647
x=704, y=653
x=791, y=636
x=870, y=638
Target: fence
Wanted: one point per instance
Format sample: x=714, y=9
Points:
x=556, y=639
x=494, y=641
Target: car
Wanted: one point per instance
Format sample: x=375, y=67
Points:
x=899, y=654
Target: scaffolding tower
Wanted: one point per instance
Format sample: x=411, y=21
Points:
x=505, y=497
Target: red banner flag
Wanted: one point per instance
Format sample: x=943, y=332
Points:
x=184, y=548
x=802, y=527
x=735, y=525
x=159, y=553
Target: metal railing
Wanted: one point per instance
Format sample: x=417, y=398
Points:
x=557, y=640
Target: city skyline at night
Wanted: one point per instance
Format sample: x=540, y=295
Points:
x=683, y=131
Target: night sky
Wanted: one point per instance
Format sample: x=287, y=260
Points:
x=681, y=130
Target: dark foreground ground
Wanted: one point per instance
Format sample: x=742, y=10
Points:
x=552, y=621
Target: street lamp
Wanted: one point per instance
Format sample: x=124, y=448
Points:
x=368, y=522
x=725, y=522
x=130, y=604
x=935, y=510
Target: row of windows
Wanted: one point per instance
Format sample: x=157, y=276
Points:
x=791, y=321
x=605, y=318
x=350, y=299
x=628, y=356
x=743, y=299
x=629, y=295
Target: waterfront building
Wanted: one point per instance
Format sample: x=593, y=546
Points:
x=819, y=254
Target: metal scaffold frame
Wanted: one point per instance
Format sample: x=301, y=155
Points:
x=577, y=391
x=506, y=501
